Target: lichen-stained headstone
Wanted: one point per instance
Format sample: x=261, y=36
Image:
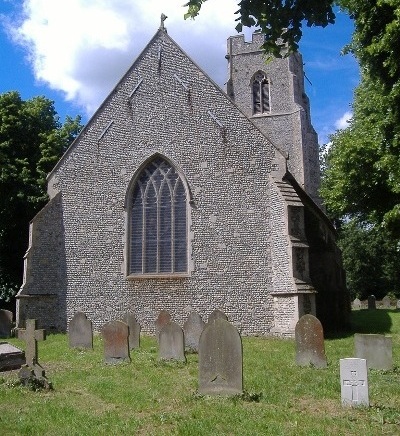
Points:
x=310, y=348
x=220, y=359
x=80, y=331
x=171, y=344
x=354, y=382
x=116, y=342
x=356, y=304
x=6, y=319
x=375, y=349
x=164, y=317
x=386, y=302
x=193, y=328
x=217, y=314
x=134, y=330
x=371, y=302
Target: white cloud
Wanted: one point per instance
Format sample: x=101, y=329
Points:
x=343, y=121
x=83, y=47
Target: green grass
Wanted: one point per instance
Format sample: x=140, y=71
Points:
x=146, y=397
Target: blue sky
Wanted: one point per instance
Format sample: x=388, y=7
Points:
x=75, y=51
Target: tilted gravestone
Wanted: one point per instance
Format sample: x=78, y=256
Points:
x=371, y=302
x=6, y=319
x=115, y=338
x=217, y=314
x=376, y=349
x=134, y=331
x=354, y=382
x=164, y=317
x=11, y=357
x=220, y=359
x=171, y=344
x=192, y=328
x=356, y=304
x=80, y=331
x=386, y=302
x=310, y=348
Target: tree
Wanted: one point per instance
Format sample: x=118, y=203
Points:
x=31, y=141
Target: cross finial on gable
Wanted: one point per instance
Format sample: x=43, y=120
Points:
x=163, y=18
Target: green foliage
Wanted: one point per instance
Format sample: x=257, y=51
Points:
x=280, y=21
x=31, y=141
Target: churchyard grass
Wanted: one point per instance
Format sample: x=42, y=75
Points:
x=148, y=397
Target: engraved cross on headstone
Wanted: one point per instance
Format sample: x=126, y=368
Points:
x=354, y=383
x=31, y=335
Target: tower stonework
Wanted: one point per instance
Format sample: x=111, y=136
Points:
x=285, y=118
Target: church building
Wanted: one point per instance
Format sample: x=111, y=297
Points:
x=180, y=196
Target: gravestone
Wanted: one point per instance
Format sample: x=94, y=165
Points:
x=80, y=331
x=164, y=317
x=217, y=314
x=6, y=319
x=11, y=357
x=134, y=331
x=371, y=302
x=310, y=348
x=115, y=338
x=356, y=304
x=192, y=328
x=375, y=349
x=220, y=359
x=354, y=382
x=171, y=343
x=32, y=371
x=398, y=304
x=386, y=302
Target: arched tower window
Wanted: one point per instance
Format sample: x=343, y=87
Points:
x=261, y=96
x=158, y=221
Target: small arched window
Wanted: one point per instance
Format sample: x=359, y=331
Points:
x=261, y=95
x=158, y=221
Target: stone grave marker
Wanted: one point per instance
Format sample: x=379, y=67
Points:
x=164, y=317
x=354, y=382
x=386, y=302
x=134, y=330
x=220, y=359
x=192, y=328
x=217, y=314
x=80, y=331
x=309, y=336
x=371, y=302
x=11, y=357
x=6, y=319
x=171, y=343
x=375, y=349
x=398, y=304
x=116, y=342
x=356, y=304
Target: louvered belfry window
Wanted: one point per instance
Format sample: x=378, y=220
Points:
x=260, y=86
x=158, y=221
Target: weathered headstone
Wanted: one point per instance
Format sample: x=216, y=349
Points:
x=217, y=314
x=11, y=357
x=6, y=319
x=115, y=338
x=371, y=302
x=386, y=302
x=398, y=304
x=310, y=348
x=376, y=349
x=220, y=359
x=134, y=331
x=171, y=343
x=80, y=331
x=164, y=317
x=356, y=304
x=354, y=382
x=192, y=328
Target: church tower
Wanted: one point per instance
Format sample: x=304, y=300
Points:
x=271, y=94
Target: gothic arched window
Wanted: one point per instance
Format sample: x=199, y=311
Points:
x=260, y=89
x=158, y=221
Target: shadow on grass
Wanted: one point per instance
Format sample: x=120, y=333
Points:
x=366, y=321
